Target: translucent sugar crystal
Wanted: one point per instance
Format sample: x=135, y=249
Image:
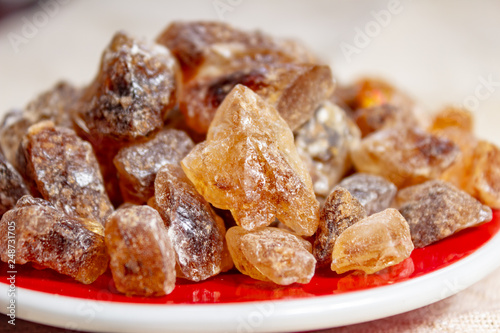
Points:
x=436, y=209
x=271, y=254
x=459, y=172
x=49, y=238
x=370, y=92
x=477, y=168
x=484, y=178
x=215, y=48
x=138, y=163
x=65, y=171
x=54, y=105
x=324, y=144
x=340, y=211
x=453, y=117
x=249, y=165
x=378, y=117
x=295, y=90
x=132, y=93
x=373, y=192
x=405, y=156
x=370, y=245
x=196, y=232
x=142, y=258
x=12, y=186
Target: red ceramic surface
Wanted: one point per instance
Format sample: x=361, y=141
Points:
x=234, y=287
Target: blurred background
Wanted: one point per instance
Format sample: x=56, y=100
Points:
x=441, y=52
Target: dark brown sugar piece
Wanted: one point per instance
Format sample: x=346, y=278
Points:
x=375, y=193
x=436, y=209
x=405, y=156
x=324, y=144
x=142, y=259
x=47, y=237
x=196, y=232
x=135, y=88
x=65, y=171
x=295, y=90
x=138, y=163
x=340, y=211
x=54, y=105
x=12, y=186
x=214, y=48
x=271, y=254
x=249, y=165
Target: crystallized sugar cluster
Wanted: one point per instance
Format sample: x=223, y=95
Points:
x=216, y=148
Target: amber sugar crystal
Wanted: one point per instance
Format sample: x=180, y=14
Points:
x=453, y=117
x=372, y=92
x=271, y=254
x=405, y=156
x=378, y=117
x=249, y=165
x=484, y=181
x=49, y=238
x=372, y=244
x=142, y=258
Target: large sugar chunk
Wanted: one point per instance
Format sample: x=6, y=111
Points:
x=132, y=93
x=12, y=186
x=340, y=211
x=138, y=163
x=271, y=254
x=324, y=144
x=214, y=48
x=49, y=238
x=373, y=192
x=405, y=156
x=196, y=232
x=65, y=171
x=435, y=210
x=54, y=105
x=295, y=90
x=370, y=245
x=249, y=165
x=142, y=258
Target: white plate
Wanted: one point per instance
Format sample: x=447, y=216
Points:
x=269, y=316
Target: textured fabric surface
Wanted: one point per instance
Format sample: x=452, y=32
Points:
x=476, y=309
